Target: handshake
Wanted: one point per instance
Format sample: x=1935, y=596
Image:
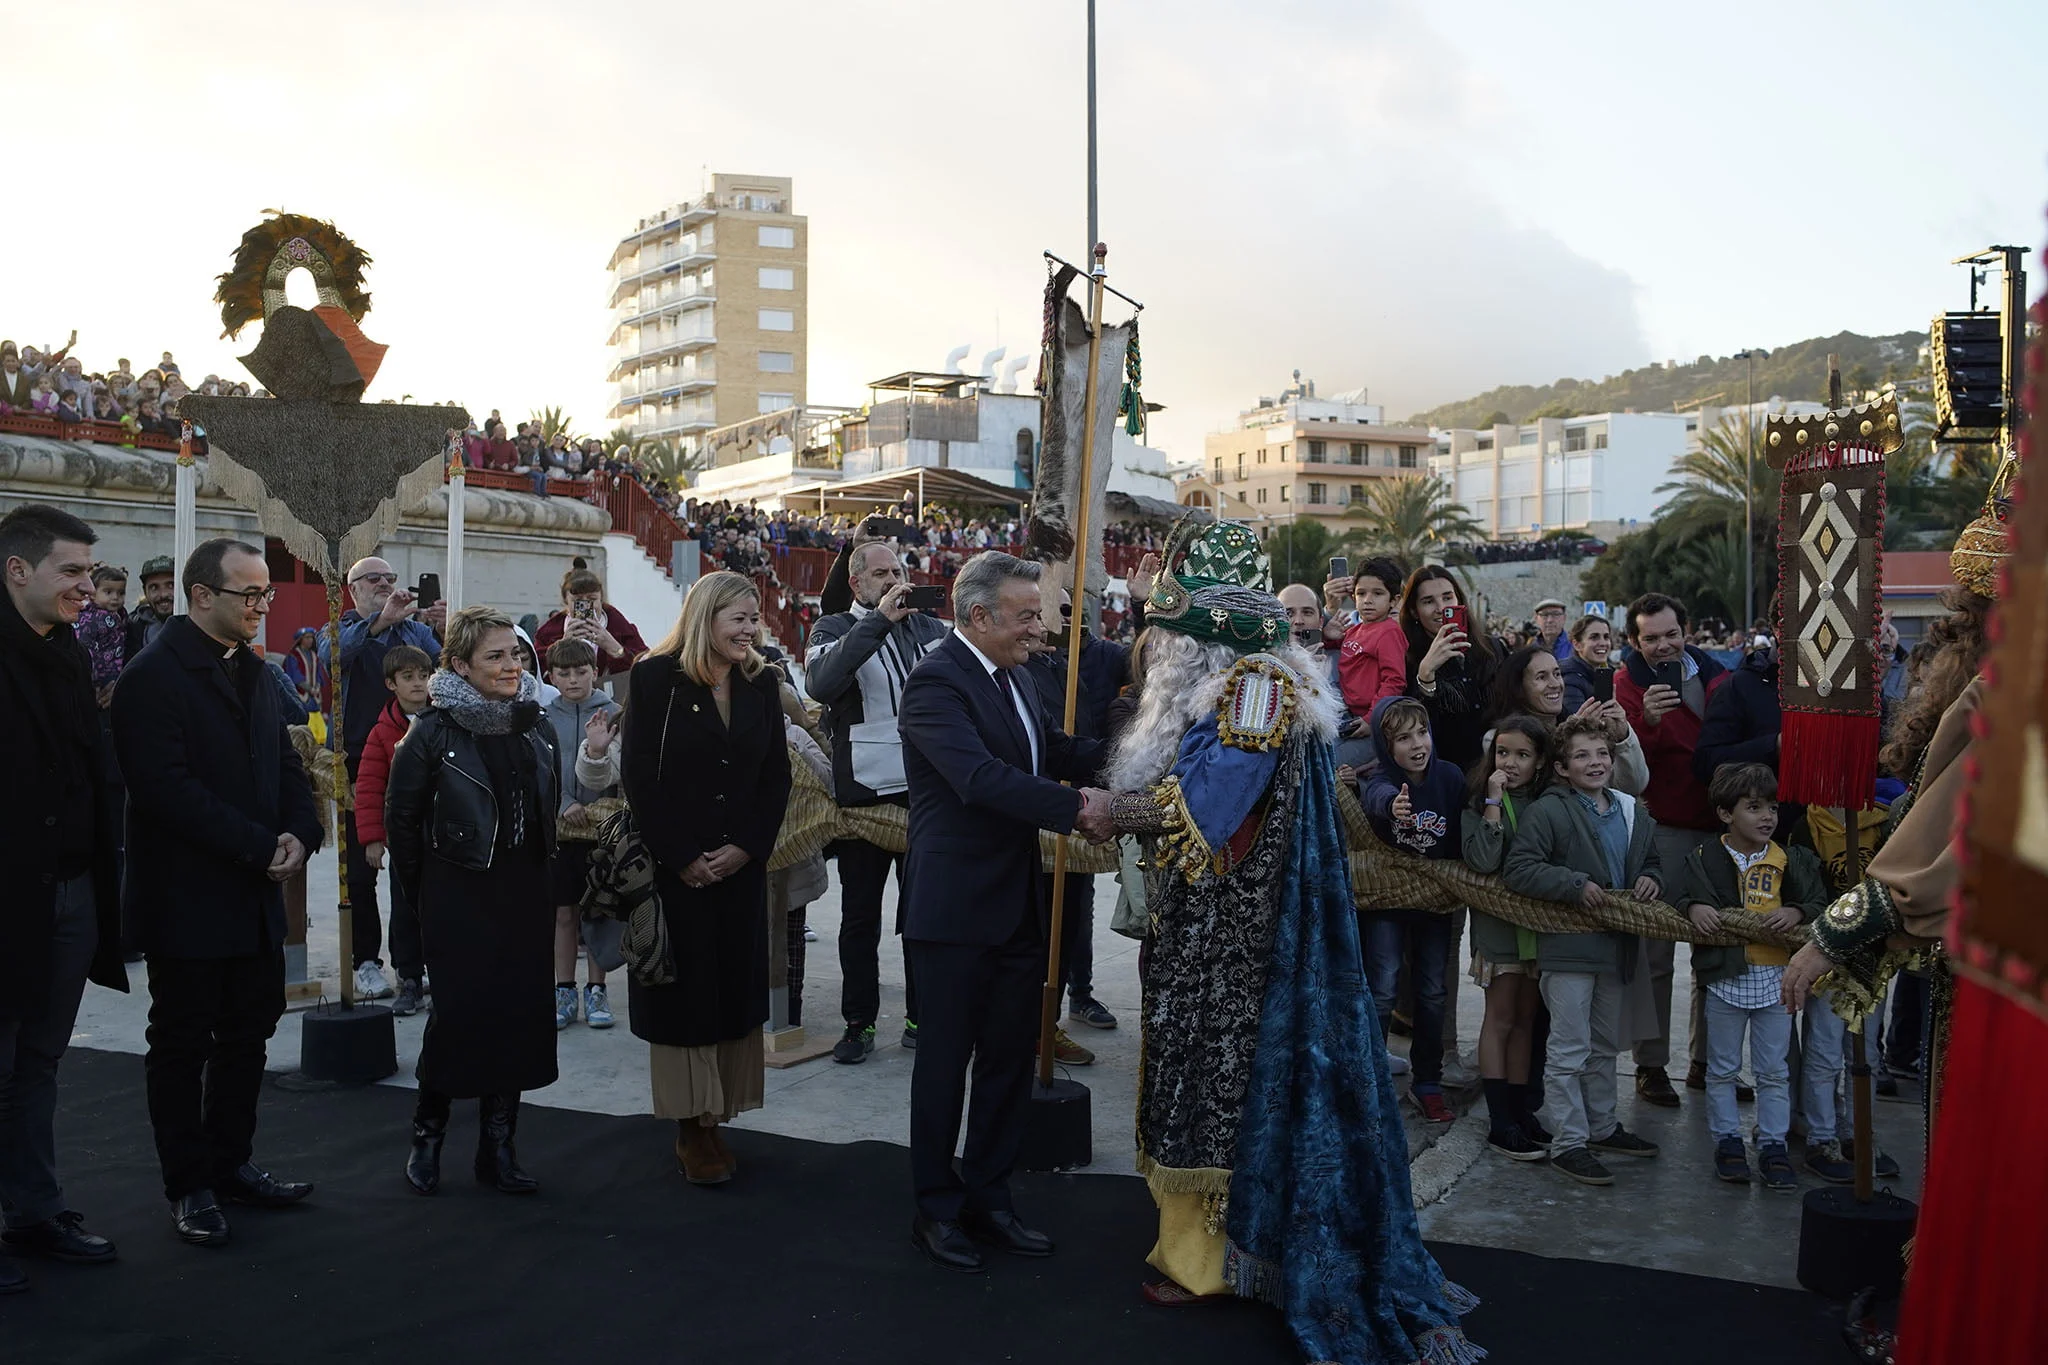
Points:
x=1095, y=822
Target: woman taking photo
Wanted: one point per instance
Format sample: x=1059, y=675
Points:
x=706, y=772
x=1589, y=672
x=469, y=818
x=1449, y=670
x=1530, y=682
x=585, y=615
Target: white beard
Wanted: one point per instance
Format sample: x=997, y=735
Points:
x=1183, y=683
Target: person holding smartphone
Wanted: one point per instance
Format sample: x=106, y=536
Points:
x=585, y=615
x=1664, y=689
x=1450, y=667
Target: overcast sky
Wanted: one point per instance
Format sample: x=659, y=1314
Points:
x=1426, y=200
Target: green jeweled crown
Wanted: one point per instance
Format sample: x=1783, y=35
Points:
x=1218, y=585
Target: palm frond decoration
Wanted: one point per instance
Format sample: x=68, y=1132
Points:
x=254, y=284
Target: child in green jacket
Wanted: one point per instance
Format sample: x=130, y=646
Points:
x=1583, y=843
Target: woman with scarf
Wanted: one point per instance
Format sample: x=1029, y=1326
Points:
x=469, y=824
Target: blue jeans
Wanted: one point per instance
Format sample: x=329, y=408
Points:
x=1770, y=1042
x=1426, y=937
x=1820, y=1071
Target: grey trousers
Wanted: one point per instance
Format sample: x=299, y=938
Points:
x=1578, y=1063
x=1674, y=846
x=29, y=1052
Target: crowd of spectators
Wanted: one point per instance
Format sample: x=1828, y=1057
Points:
x=1568, y=549
x=55, y=383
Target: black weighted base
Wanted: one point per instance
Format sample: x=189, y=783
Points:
x=347, y=1046
x=1845, y=1246
x=1057, y=1132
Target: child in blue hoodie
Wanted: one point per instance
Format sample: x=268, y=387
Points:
x=1414, y=800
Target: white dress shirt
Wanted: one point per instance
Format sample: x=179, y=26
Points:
x=1017, y=686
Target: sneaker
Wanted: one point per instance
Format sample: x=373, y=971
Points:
x=410, y=998
x=1067, y=1052
x=1434, y=1110
x=910, y=1034
x=1533, y=1128
x=1882, y=1166
x=1582, y=1166
x=1091, y=1013
x=597, y=1007
x=855, y=1046
x=1459, y=1074
x=1825, y=1160
x=565, y=1007
x=1731, y=1162
x=1621, y=1142
x=1653, y=1085
x=1776, y=1168
x=810, y=935
x=1514, y=1144
x=1397, y=1065
x=371, y=983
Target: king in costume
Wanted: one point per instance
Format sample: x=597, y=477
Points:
x=1268, y=1128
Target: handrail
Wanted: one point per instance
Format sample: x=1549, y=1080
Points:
x=93, y=433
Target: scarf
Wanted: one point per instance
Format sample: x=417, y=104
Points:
x=478, y=714
x=499, y=727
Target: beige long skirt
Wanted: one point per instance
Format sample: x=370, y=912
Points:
x=710, y=1084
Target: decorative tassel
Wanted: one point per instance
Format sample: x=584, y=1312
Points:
x=1828, y=759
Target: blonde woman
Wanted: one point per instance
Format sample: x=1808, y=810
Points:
x=706, y=771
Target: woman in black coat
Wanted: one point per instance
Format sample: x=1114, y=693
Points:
x=469, y=823
x=1449, y=671
x=706, y=772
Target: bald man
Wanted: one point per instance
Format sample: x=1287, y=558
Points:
x=383, y=615
x=1305, y=623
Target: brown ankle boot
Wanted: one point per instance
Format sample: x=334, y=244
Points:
x=698, y=1157
x=732, y=1163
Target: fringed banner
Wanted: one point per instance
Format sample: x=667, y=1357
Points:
x=1057, y=495
x=1830, y=558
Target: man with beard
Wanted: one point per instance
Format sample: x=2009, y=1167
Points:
x=220, y=816
x=1226, y=774
x=158, y=604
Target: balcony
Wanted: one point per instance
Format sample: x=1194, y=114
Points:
x=681, y=301
x=676, y=217
x=626, y=364
x=672, y=264
x=676, y=388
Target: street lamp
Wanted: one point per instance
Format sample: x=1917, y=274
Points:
x=1749, y=359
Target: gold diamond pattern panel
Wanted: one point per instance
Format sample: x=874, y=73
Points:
x=1828, y=570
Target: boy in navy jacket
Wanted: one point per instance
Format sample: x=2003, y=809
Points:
x=1413, y=800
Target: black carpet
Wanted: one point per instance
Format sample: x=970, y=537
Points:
x=805, y=1257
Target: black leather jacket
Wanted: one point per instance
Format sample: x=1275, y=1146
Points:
x=439, y=800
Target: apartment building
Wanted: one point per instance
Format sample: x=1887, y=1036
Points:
x=1599, y=471
x=1301, y=455
x=710, y=313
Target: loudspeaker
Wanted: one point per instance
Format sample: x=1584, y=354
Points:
x=340, y=1046
x=1845, y=1246
x=1057, y=1132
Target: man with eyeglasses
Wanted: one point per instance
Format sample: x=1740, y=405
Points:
x=220, y=816
x=382, y=616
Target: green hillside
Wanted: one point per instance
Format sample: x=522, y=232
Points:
x=1798, y=371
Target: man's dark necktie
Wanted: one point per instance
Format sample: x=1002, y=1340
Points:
x=1009, y=692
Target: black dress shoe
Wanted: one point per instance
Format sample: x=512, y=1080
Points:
x=1004, y=1231
x=62, y=1238
x=261, y=1190
x=199, y=1219
x=947, y=1244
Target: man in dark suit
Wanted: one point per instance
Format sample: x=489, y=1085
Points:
x=61, y=921
x=220, y=815
x=984, y=759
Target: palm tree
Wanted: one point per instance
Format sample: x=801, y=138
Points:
x=553, y=422
x=1715, y=562
x=1411, y=518
x=669, y=460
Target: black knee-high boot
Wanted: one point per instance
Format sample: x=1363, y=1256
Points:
x=496, y=1161
x=429, y=1130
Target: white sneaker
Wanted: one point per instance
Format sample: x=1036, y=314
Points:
x=810, y=935
x=370, y=983
x=1397, y=1065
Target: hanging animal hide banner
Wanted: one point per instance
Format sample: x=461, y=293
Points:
x=1057, y=494
x=1830, y=580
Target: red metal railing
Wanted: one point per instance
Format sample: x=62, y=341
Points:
x=97, y=433
x=505, y=479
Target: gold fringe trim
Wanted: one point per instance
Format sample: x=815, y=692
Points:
x=1856, y=999
x=1262, y=665
x=1180, y=846
x=1209, y=1181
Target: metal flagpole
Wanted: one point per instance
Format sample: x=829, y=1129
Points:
x=185, y=512
x=1049, y=1010
x=458, y=485
x=1094, y=237
x=337, y=695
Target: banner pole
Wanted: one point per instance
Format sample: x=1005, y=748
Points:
x=1076, y=624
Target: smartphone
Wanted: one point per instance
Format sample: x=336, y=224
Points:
x=1671, y=675
x=583, y=609
x=1340, y=566
x=1461, y=617
x=927, y=597
x=429, y=590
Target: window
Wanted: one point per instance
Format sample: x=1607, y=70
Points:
x=1316, y=450
x=777, y=277
x=1361, y=453
x=1358, y=492
x=1240, y=465
x=1575, y=439
x=778, y=362
x=1284, y=491
x=1407, y=457
x=777, y=320
x=1262, y=454
x=1283, y=454
x=782, y=237
x=1219, y=469
x=1318, y=494
x=1527, y=438
x=1262, y=495
x=1599, y=440
x=776, y=402
x=1485, y=443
